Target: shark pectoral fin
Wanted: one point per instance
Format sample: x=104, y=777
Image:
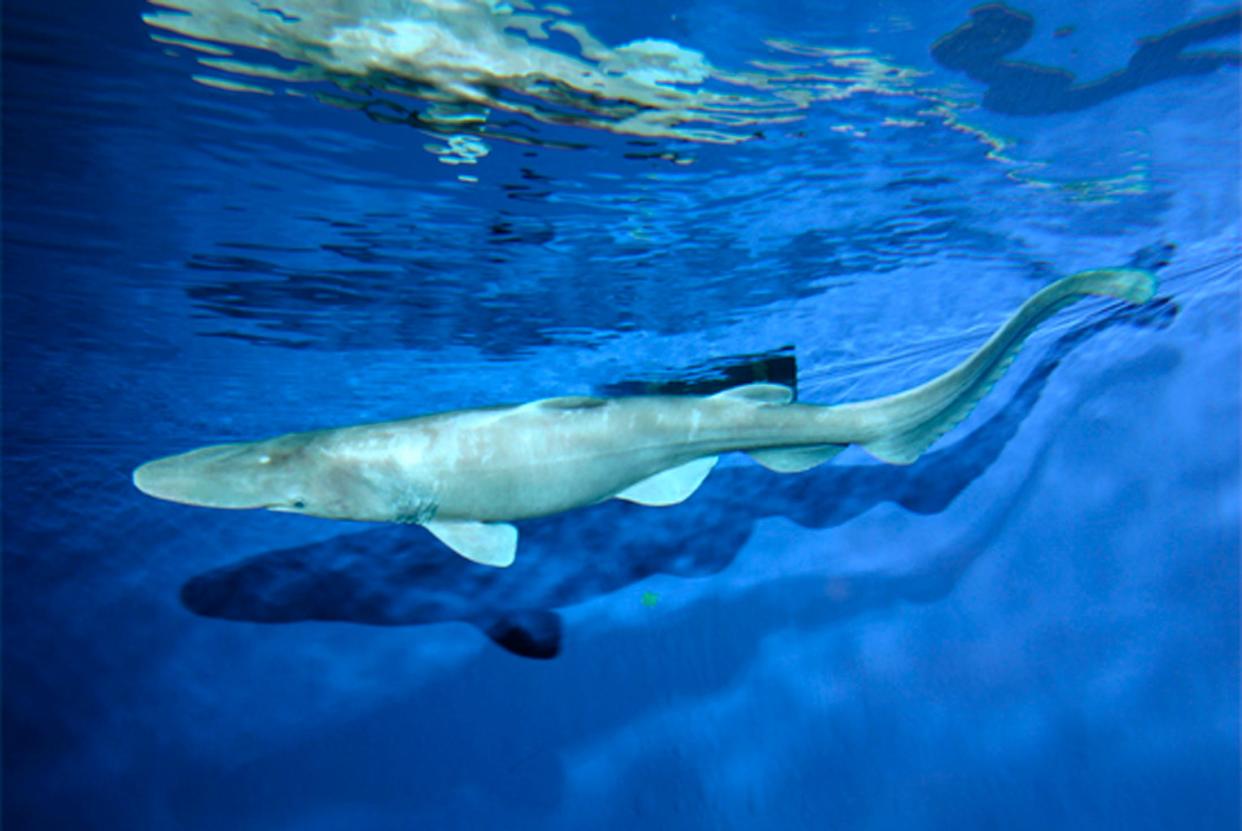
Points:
x=530, y=634
x=795, y=459
x=759, y=394
x=668, y=487
x=488, y=543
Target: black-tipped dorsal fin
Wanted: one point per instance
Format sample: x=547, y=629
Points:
x=488, y=543
x=668, y=487
x=795, y=459
x=773, y=394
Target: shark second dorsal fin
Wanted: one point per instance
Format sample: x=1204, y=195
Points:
x=775, y=394
x=795, y=459
x=488, y=543
x=668, y=487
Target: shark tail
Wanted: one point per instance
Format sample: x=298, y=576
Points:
x=910, y=422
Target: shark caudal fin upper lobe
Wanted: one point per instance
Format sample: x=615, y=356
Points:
x=920, y=416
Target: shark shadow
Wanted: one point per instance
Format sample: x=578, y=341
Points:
x=994, y=30
x=392, y=577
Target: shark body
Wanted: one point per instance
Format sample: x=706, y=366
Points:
x=467, y=475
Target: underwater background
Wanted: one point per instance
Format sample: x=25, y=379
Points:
x=225, y=220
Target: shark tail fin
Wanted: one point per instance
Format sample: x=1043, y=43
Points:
x=906, y=447
x=912, y=421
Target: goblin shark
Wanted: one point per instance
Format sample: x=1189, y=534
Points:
x=467, y=475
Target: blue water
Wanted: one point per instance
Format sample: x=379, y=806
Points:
x=1035, y=626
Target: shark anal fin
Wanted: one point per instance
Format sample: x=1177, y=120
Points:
x=530, y=634
x=488, y=543
x=570, y=402
x=776, y=394
x=795, y=459
x=668, y=487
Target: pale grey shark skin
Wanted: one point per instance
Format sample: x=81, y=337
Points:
x=467, y=474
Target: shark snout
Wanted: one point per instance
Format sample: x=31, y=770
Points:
x=220, y=476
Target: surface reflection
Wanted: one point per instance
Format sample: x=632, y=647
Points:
x=445, y=66
x=506, y=281
x=978, y=48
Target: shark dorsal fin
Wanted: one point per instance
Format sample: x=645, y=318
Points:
x=488, y=543
x=759, y=394
x=668, y=487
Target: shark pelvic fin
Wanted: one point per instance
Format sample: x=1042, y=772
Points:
x=795, y=459
x=668, y=487
x=488, y=543
x=775, y=394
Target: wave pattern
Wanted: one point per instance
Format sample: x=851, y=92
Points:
x=446, y=65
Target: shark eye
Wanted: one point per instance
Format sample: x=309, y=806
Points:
x=298, y=504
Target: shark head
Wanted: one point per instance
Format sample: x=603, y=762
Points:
x=267, y=474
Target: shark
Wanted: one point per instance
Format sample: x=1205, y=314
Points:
x=468, y=475
x=384, y=577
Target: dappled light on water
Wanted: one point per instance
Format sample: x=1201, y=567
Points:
x=447, y=65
